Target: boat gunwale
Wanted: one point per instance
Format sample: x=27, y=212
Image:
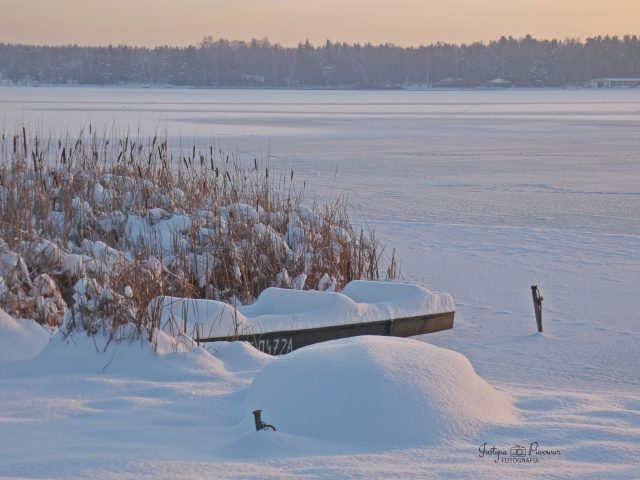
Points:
x=252, y=337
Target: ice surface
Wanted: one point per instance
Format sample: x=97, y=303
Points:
x=590, y=287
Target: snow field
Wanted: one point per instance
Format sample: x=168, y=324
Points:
x=482, y=193
x=378, y=406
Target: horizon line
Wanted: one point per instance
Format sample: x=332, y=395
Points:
x=322, y=44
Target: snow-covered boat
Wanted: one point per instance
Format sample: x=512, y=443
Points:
x=283, y=320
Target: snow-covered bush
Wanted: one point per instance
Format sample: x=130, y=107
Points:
x=94, y=228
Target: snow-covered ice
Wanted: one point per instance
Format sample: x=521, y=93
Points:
x=482, y=193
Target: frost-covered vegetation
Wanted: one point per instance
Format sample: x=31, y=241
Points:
x=526, y=62
x=94, y=227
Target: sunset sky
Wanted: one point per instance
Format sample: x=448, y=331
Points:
x=403, y=22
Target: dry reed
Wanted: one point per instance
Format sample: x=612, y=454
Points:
x=95, y=227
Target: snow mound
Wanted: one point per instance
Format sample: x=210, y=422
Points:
x=360, y=301
x=80, y=353
x=398, y=299
x=239, y=356
x=210, y=318
x=283, y=309
x=20, y=339
x=376, y=391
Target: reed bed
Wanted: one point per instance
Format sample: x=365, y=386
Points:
x=93, y=227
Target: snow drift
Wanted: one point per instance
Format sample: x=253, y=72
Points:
x=239, y=356
x=377, y=391
x=20, y=339
x=126, y=356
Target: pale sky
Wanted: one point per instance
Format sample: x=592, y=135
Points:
x=403, y=22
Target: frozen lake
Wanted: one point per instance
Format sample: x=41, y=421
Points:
x=483, y=193
x=565, y=159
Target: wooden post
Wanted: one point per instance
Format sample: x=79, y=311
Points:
x=537, y=305
x=260, y=425
x=257, y=417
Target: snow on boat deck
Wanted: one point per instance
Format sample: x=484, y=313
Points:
x=278, y=309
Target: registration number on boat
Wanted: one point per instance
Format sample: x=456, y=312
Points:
x=275, y=346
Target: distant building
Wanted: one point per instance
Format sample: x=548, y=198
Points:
x=615, y=83
x=449, y=82
x=499, y=83
x=253, y=79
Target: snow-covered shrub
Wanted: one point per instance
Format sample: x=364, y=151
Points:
x=98, y=308
x=95, y=228
x=26, y=294
x=49, y=304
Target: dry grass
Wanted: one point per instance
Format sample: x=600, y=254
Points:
x=128, y=220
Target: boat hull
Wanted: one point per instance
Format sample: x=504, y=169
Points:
x=285, y=341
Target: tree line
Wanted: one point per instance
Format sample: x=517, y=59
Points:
x=525, y=62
